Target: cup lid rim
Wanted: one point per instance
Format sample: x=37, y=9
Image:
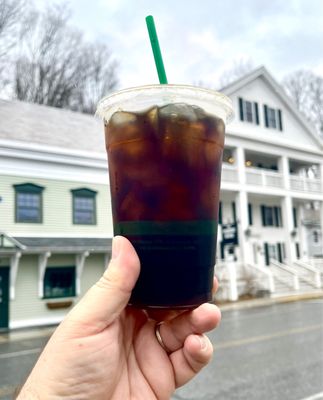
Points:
x=209, y=94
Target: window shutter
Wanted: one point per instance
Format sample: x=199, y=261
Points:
x=241, y=109
x=280, y=217
x=234, y=213
x=266, y=253
x=266, y=116
x=220, y=213
x=263, y=218
x=256, y=113
x=276, y=217
x=298, y=254
x=295, y=217
x=280, y=121
x=279, y=250
x=250, y=213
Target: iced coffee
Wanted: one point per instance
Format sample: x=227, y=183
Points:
x=165, y=169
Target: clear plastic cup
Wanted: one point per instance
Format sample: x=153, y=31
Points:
x=164, y=146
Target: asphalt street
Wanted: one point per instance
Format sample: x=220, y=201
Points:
x=268, y=353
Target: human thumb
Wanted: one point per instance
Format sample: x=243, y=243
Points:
x=107, y=298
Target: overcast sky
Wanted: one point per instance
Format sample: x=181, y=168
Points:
x=200, y=39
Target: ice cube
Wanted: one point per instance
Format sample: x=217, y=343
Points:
x=178, y=111
x=199, y=112
x=151, y=117
x=121, y=117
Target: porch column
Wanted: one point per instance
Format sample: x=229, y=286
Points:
x=287, y=211
x=284, y=170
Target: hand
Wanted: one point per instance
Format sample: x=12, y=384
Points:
x=107, y=350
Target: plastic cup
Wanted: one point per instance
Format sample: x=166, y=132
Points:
x=164, y=146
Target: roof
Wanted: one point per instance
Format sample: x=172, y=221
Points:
x=280, y=92
x=35, y=123
x=37, y=245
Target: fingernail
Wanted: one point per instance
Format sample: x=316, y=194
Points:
x=203, y=342
x=115, y=247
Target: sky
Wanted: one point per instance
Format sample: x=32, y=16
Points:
x=200, y=39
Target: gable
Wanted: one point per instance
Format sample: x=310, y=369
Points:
x=259, y=91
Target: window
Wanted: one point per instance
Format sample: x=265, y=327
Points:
x=248, y=111
x=84, y=206
x=59, y=282
x=271, y=216
x=273, y=118
x=315, y=237
x=28, y=203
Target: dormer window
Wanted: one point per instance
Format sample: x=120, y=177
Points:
x=273, y=118
x=248, y=111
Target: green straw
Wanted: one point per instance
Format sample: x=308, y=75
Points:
x=156, y=49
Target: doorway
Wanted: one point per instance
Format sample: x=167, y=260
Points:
x=4, y=298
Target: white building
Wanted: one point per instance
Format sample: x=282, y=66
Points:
x=272, y=182
x=55, y=213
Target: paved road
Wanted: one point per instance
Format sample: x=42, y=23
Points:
x=268, y=353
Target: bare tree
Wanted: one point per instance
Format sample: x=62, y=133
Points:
x=237, y=70
x=102, y=78
x=306, y=90
x=11, y=13
x=56, y=67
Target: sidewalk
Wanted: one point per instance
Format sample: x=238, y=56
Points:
x=268, y=301
x=30, y=333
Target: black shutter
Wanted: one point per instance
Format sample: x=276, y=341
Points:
x=241, y=109
x=263, y=218
x=256, y=113
x=266, y=116
x=250, y=213
x=266, y=253
x=280, y=121
x=276, y=217
x=220, y=213
x=280, y=217
x=234, y=213
x=298, y=254
x=222, y=250
x=279, y=249
x=295, y=217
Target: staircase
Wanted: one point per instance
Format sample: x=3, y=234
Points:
x=296, y=279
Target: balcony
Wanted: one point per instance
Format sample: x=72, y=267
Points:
x=264, y=178
x=229, y=173
x=305, y=184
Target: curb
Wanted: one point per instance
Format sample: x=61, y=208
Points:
x=240, y=305
x=25, y=334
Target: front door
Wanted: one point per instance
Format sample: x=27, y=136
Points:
x=4, y=298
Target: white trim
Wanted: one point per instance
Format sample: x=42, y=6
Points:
x=45, y=169
x=42, y=264
x=80, y=261
x=60, y=235
x=14, y=266
x=50, y=150
x=24, y=323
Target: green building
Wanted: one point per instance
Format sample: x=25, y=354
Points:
x=55, y=212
